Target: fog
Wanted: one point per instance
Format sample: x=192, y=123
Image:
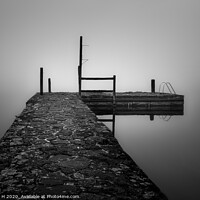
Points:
x=135, y=40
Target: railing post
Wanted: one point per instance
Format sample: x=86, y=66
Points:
x=80, y=64
x=114, y=90
x=114, y=104
x=49, y=85
x=41, y=81
x=81, y=50
x=153, y=85
x=79, y=80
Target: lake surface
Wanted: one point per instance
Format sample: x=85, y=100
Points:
x=167, y=151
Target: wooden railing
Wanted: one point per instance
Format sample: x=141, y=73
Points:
x=97, y=78
x=100, y=91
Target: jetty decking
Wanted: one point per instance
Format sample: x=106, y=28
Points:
x=135, y=103
x=56, y=146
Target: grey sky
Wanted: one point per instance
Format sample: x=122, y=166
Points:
x=135, y=39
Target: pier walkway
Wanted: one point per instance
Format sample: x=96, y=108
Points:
x=56, y=146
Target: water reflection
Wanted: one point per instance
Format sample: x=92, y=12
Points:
x=167, y=152
x=110, y=119
x=157, y=140
x=108, y=114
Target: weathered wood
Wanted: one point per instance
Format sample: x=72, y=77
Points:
x=81, y=51
x=97, y=78
x=79, y=80
x=107, y=111
x=96, y=91
x=80, y=64
x=153, y=85
x=49, y=85
x=134, y=97
x=135, y=103
x=114, y=90
x=41, y=81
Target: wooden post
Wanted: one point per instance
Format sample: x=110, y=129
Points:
x=80, y=63
x=79, y=80
x=153, y=85
x=81, y=51
x=41, y=81
x=114, y=104
x=49, y=85
x=114, y=90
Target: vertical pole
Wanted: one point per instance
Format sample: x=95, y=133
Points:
x=114, y=90
x=113, y=122
x=153, y=85
x=114, y=104
x=80, y=63
x=41, y=81
x=49, y=85
x=79, y=80
x=151, y=117
x=81, y=51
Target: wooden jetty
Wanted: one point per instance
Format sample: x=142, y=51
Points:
x=57, y=148
x=152, y=103
x=135, y=103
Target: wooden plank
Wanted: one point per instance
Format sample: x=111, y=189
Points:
x=132, y=99
x=137, y=112
x=97, y=78
x=161, y=101
x=96, y=90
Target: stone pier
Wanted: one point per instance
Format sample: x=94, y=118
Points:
x=57, y=149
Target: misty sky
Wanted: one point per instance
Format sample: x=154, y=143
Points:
x=135, y=39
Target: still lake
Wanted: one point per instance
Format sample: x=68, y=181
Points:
x=167, y=151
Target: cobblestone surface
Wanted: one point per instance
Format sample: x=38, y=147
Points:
x=56, y=146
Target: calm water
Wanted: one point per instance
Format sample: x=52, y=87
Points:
x=167, y=151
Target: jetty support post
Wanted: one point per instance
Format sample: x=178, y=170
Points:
x=153, y=85
x=49, y=85
x=41, y=81
x=114, y=104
